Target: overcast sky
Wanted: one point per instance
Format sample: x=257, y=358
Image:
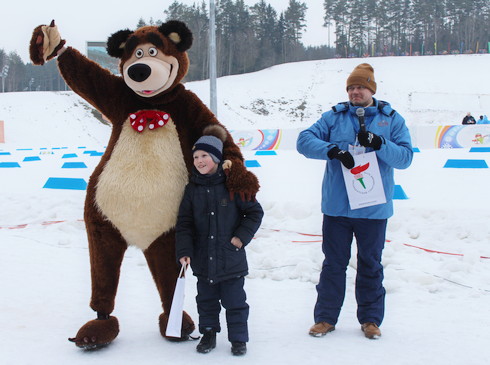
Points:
x=97, y=20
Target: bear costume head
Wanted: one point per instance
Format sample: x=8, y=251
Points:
x=153, y=59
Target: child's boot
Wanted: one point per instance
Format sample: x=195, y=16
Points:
x=238, y=348
x=208, y=341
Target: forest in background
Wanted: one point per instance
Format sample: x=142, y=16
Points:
x=251, y=38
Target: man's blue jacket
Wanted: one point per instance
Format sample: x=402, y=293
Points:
x=339, y=127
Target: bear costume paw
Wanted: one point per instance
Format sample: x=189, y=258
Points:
x=187, y=327
x=45, y=43
x=242, y=182
x=97, y=333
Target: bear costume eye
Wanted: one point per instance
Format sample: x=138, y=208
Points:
x=153, y=51
x=139, y=53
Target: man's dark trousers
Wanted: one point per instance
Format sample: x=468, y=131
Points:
x=338, y=233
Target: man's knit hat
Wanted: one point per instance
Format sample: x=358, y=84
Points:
x=212, y=142
x=363, y=75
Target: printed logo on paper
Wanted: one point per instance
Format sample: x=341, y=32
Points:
x=363, y=181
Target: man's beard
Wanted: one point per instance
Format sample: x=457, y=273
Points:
x=364, y=104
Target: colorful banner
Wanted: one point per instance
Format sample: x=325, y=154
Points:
x=259, y=139
x=423, y=136
x=266, y=139
x=462, y=136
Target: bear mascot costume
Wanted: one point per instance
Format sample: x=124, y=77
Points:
x=134, y=193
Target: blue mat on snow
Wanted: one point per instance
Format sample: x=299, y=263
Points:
x=31, y=158
x=74, y=165
x=466, y=164
x=252, y=163
x=399, y=193
x=65, y=183
x=265, y=153
x=9, y=164
x=69, y=155
x=480, y=149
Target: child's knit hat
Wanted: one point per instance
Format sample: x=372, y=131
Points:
x=212, y=142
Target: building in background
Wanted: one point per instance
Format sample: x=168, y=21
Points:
x=97, y=51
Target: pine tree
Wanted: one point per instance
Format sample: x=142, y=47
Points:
x=358, y=27
x=295, y=23
x=141, y=23
x=294, y=17
x=264, y=20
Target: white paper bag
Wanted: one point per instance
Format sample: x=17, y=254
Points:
x=174, y=325
x=363, y=182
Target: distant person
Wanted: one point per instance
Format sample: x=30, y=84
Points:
x=483, y=120
x=330, y=139
x=211, y=234
x=468, y=119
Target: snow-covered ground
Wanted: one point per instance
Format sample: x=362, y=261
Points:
x=437, y=302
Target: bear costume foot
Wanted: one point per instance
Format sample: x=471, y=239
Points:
x=187, y=327
x=97, y=333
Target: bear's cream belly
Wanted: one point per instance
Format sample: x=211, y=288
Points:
x=141, y=185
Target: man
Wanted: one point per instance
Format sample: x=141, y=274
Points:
x=469, y=119
x=329, y=139
x=483, y=120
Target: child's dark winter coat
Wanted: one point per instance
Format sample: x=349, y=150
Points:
x=206, y=223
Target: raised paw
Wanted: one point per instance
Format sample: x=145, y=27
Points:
x=45, y=43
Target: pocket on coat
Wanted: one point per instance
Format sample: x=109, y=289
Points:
x=235, y=259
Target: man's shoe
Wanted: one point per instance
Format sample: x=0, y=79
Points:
x=208, y=341
x=238, y=348
x=371, y=330
x=321, y=329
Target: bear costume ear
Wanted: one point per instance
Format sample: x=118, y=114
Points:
x=178, y=33
x=116, y=43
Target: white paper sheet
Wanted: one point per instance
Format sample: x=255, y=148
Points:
x=363, y=182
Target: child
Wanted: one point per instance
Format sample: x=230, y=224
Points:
x=211, y=234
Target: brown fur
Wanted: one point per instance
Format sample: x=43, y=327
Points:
x=215, y=130
x=37, y=42
x=134, y=192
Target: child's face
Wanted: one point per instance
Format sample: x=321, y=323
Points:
x=204, y=163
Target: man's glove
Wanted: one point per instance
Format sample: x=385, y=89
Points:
x=343, y=156
x=369, y=139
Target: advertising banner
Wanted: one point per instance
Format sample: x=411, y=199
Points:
x=265, y=139
x=463, y=136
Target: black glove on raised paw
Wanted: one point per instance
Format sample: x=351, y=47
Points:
x=343, y=156
x=369, y=139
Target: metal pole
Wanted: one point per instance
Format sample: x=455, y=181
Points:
x=5, y=71
x=212, y=58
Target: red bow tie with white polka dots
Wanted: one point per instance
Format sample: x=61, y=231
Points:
x=154, y=119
